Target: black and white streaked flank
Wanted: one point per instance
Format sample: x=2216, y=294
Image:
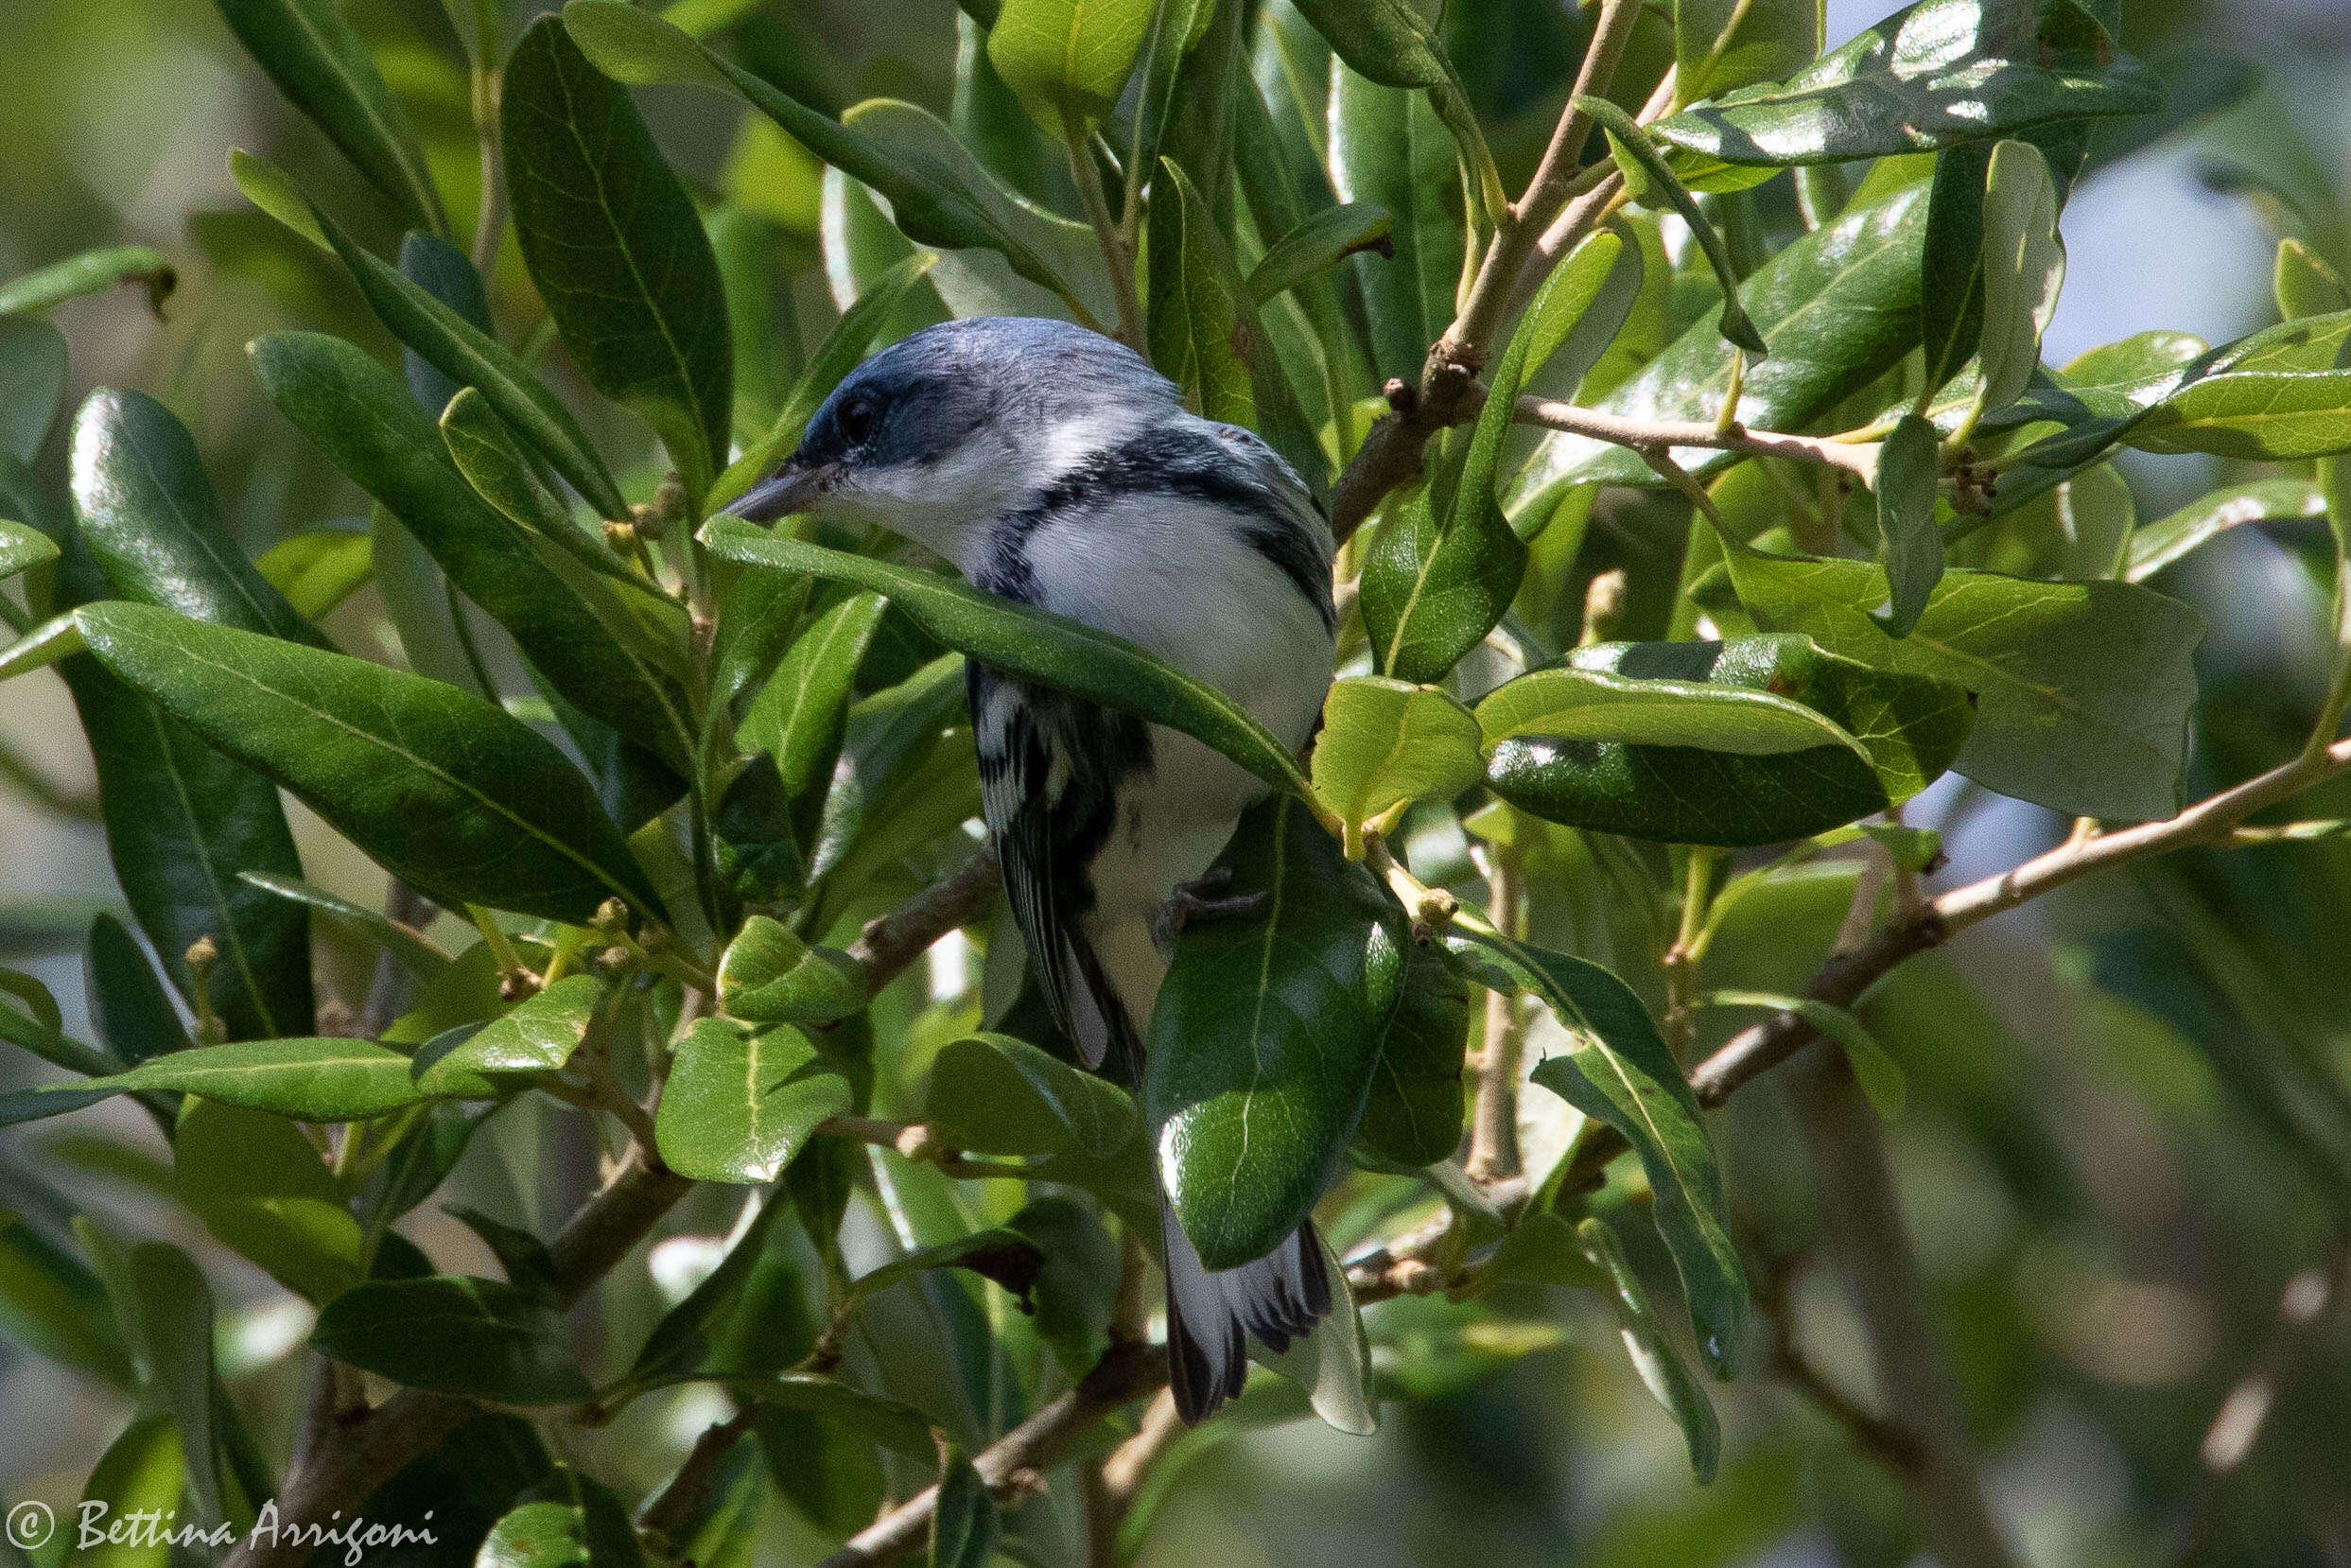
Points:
x=1052, y=465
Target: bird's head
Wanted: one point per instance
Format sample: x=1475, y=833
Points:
x=951, y=427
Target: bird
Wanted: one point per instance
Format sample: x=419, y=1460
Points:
x=1053, y=466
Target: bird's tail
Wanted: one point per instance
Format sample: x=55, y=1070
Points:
x=1278, y=1299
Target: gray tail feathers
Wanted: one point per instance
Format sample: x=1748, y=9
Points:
x=1278, y=1299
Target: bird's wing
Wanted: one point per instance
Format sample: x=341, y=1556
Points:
x=1049, y=767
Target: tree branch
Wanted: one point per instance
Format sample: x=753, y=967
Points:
x=887, y=946
x=1494, y=1115
x=1125, y=1373
x=1662, y=436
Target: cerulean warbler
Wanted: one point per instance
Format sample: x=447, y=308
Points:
x=1052, y=465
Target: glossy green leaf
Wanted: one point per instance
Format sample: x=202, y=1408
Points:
x=2255, y=415
x=1264, y=1035
x=568, y=1521
x=127, y=1002
x=1196, y=327
x=1723, y=44
x=1067, y=60
x=1394, y=43
x=451, y=1335
x=1384, y=742
x=1590, y=700
x=327, y=72
x=1388, y=149
x=23, y=549
x=767, y=975
x=1618, y=1070
x=52, y=1306
x=483, y=449
x=171, y=1316
x=356, y=411
x=90, y=272
x=1448, y=564
x=1650, y=179
x=1032, y=645
x=472, y=357
x=260, y=1186
x=1951, y=296
x=1910, y=465
x=141, y=1473
x=1414, y=1112
x=617, y=250
x=741, y=1101
x=1318, y=245
x=2083, y=689
x=2164, y=541
x=1837, y=307
x=1935, y=74
x=55, y=638
x=146, y=512
x=927, y=202
x=2024, y=264
x=995, y=1094
x=33, y=380
x=799, y=716
x=409, y=946
x=446, y=790
x=309, y=1080
x=1881, y=738
x=319, y=569
x=273, y=190
x=1652, y=1350
x=537, y=1034
x=2304, y=283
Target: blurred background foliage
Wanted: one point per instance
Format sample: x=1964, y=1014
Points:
x=2127, y=1127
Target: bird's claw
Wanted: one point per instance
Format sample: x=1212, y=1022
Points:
x=1197, y=900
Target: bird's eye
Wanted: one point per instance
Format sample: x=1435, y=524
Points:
x=857, y=421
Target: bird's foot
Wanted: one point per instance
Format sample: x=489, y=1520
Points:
x=1198, y=900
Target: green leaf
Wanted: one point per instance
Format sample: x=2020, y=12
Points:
x=569, y=1521
x=1909, y=542
x=1412, y=1115
x=356, y=411
x=443, y=790
x=2084, y=689
x=1651, y=1350
x=537, y=1034
x=405, y=943
x=1389, y=150
x=1067, y=60
x=2024, y=264
x=23, y=549
x=484, y=451
x=33, y=380
x=617, y=250
x=2164, y=541
x=1951, y=297
x=1723, y=44
x=2304, y=283
x=965, y=1523
x=995, y=1094
x=1590, y=700
x=1392, y=42
x=309, y=1080
x=1318, y=245
x=90, y=272
x=141, y=1472
x=928, y=203
x=319, y=570
x=145, y=510
x=1931, y=75
x=1880, y=1074
x=1384, y=742
x=1837, y=307
x=2255, y=415
x=767, y=975
x=127, y=1002
x=1032, y=645
x=472, y=357
x=1618, y=1070
x=741, y=1101
x=51, y=1304
x=1441, y=573
x=799, y=716
x=1264, y=1035
x=172, y=1311
x=1197, y=327
x=326, y=70
x=260, y=1188
x=55, y=638
x=452, y=1334
x=273, y=190
x=1649, y=178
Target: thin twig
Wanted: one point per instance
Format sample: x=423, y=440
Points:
x=1495, y=1113
x=1117, y=257
x=1663, y=436
x=887, y=946
x=1007, y=1466
x=671, y=1508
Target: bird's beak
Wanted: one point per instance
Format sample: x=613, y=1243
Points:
x=790, y=489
